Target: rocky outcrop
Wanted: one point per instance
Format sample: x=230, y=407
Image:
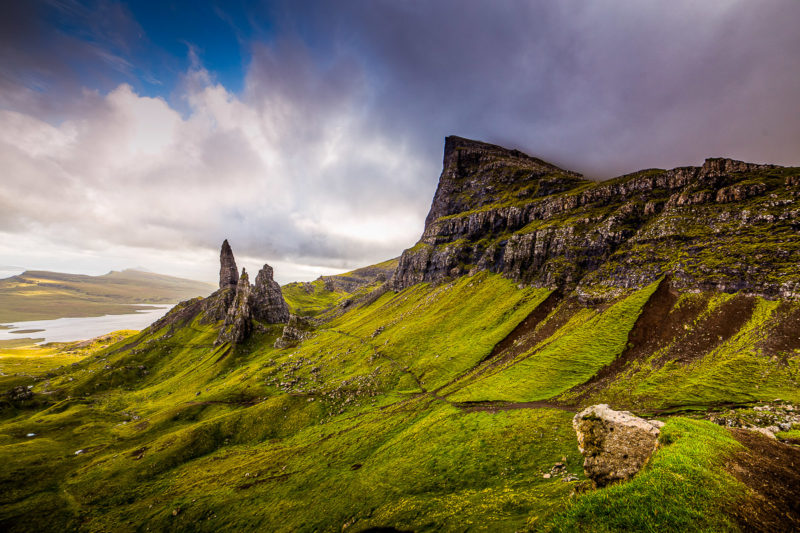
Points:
x=267, y=299
x=502, y=211
x=296, y=330
x=20, y=393
x=237, y=303
x=475, y=173
x=238, y=320
x=615, y=444
x=228, y=273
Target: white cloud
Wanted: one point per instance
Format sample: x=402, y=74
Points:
x=290, y=173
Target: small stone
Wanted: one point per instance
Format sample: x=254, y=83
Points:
x=546, y=476
x=31, y=435
x=78, y=452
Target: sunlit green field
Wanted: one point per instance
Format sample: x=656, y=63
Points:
x=367, y=423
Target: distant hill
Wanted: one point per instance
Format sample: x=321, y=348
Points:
x=41, y=295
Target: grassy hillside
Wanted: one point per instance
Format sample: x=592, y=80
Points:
x=324, y=293
x=434, y=408
x=39, y=295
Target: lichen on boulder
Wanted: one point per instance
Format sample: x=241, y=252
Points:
x=615, y=444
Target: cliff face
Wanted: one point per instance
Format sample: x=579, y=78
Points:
x=727, y=225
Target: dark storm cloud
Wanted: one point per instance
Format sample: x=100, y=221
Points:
x=329, y=154
x=603, y=87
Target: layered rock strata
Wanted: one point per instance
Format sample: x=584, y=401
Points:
x=726, y=225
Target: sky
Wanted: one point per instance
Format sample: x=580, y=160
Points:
x=310, y=134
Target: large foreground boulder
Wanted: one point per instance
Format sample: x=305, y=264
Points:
x=615, y=444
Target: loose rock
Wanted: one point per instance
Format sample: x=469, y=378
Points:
x=615, y=444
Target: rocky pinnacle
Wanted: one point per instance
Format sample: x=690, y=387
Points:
x=228, y=274
x=268, y=302
x=238, y=323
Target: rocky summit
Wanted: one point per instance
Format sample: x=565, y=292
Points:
x=726, y=225
x=555, y=354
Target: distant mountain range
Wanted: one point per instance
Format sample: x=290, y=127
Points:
x=41, y=295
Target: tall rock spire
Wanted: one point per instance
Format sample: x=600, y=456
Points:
x=228, y=274
x=238, y=325
x=268, y=302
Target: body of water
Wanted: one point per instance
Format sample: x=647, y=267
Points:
x=78, y=329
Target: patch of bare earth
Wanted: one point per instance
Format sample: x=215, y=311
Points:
x=771, y=470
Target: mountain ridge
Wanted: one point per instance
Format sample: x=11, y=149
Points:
x=543, y=226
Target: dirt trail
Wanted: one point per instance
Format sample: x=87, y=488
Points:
x=494, y=406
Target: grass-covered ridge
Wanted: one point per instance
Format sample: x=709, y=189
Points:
x=372, y=420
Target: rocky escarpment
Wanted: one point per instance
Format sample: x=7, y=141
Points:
x=726, y=225
x=237, y=303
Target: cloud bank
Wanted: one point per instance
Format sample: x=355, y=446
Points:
x=328, y=156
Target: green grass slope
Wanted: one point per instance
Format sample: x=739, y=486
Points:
x=394, y=413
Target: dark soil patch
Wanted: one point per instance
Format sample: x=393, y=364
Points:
x=656, y=326
x=663, y=324
x=525, y=327
x=784, y=336
x=535, y=328
x=771, y=471
x=526, y=336
x=713, y=330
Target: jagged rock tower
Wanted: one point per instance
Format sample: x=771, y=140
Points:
x=239, y=303
x=238, y=321
x=268, y=302
x=228, y=274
